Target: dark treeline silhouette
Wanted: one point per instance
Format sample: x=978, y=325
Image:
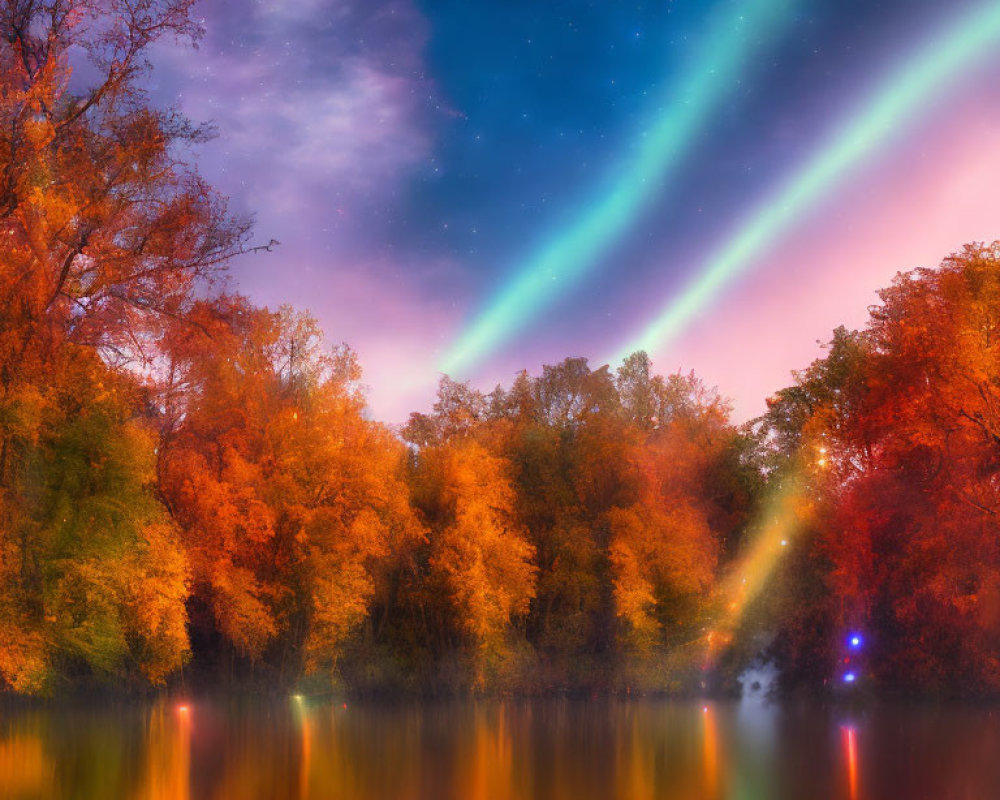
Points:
x=190, y=488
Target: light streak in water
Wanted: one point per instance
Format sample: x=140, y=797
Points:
x=303, y=719
x=710, y=752
x=851, y=757
x=305, y=758
x=166, y=775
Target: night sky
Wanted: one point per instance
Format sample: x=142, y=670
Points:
x=480, y=186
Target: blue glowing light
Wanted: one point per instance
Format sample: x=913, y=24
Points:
x=854, y=641
x=849, y=677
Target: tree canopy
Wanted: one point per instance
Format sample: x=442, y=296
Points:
x=189, y=481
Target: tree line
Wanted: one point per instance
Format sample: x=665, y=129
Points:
x=192, y=490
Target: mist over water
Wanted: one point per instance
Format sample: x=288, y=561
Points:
x=515, y=749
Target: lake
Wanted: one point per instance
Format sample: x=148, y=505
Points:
x=546, y=749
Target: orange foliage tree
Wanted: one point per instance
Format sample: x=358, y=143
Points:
x=103, y=229
x=287, y=496
x=478, y=565
x=626, y=488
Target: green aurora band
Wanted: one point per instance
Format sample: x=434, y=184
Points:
x=907, y=92
x=574, y=252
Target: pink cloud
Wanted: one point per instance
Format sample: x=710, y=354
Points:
x=396, y=319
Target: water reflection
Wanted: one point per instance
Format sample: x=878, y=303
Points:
x=25, y=770
x=168, y=755
x=851, y=758
x=553, y=750
x=711, y=757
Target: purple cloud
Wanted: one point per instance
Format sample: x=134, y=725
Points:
x=322, y=115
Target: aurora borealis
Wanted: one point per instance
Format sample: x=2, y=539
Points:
x=567, y=258
x=916, y=87
x=480, y=187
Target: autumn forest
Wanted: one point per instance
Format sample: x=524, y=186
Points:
x=194, y=494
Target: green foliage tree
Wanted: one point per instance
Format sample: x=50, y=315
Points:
x=93, y=573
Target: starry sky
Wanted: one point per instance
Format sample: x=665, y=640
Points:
x=480, y=186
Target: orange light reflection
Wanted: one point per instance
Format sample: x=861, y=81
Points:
x=851, y=751
x=710, y=753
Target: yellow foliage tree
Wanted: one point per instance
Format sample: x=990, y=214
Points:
x=479, y=555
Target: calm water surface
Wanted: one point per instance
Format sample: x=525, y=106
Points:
x=518, y=749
